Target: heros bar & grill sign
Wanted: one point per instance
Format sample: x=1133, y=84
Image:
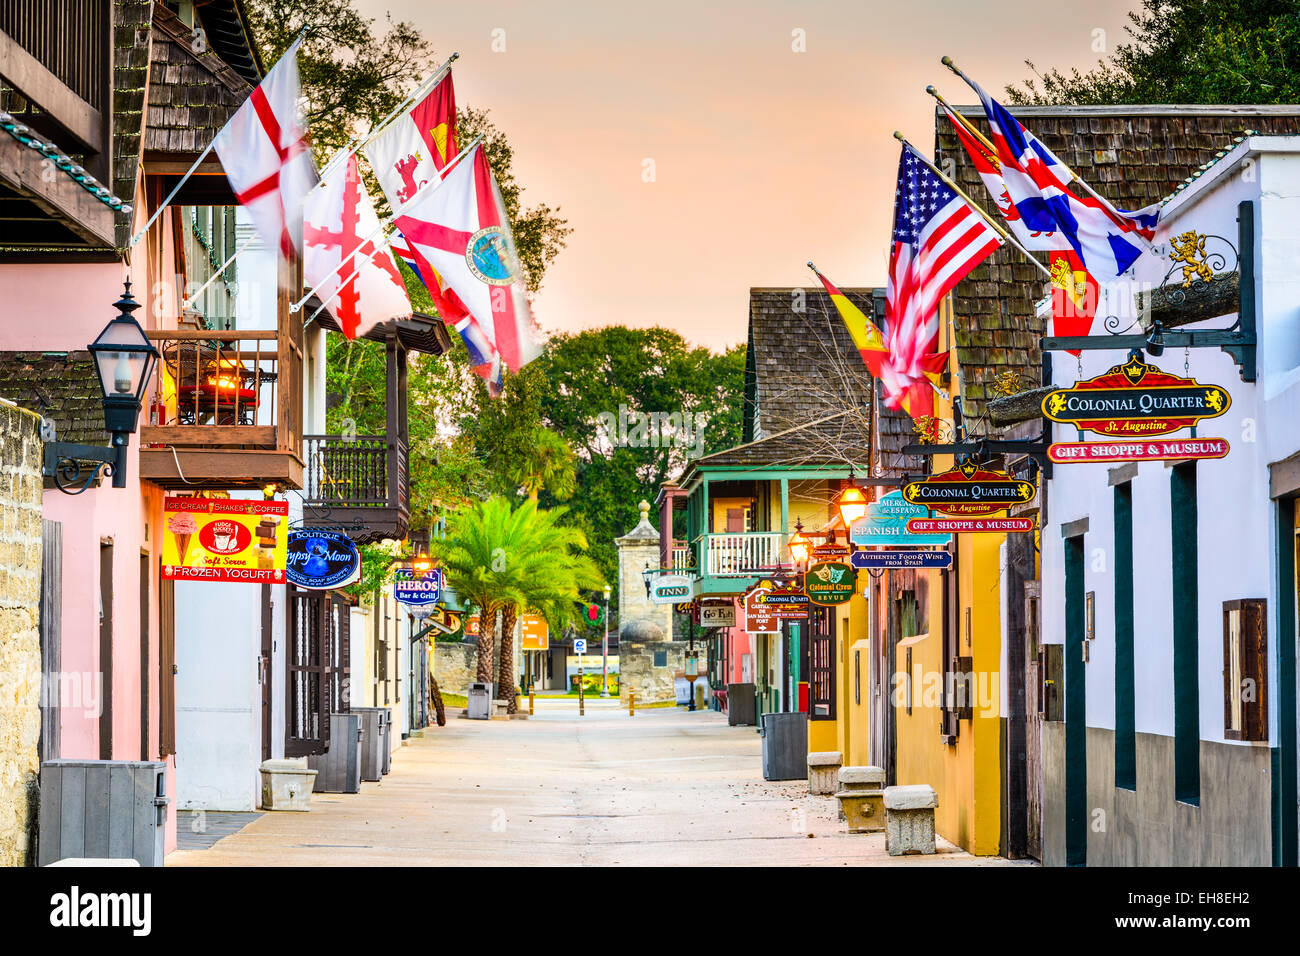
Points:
x=967, y=491
x=1135, y=400
x=225, y=539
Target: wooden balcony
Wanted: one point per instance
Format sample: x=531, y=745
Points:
x=228, y=410
x=742, y=555
x=356, y=484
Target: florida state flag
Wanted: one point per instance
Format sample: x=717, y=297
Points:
x=337, y=217
x=412, y=151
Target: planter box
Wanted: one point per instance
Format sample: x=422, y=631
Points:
x=286, y=785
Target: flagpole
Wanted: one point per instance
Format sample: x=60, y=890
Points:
x=967, y=124
x=427, y=187
x=292, y=48
x=213, y=278
x=997, y=227
x=947, y=61
x=359, y=142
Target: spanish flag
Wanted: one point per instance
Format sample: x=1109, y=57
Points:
x=866, y=337
x=1074, y=295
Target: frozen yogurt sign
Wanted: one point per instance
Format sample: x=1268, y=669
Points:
x=224, y=539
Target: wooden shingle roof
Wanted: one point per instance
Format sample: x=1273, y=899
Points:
x=1133, y=155
x=191, y=94
x=61, y=386
x=131, y=44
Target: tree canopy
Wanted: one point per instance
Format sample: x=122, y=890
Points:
x=1188, y=51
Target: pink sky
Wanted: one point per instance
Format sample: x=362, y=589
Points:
x=764, y=158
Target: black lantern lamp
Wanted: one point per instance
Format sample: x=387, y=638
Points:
x=124, y=361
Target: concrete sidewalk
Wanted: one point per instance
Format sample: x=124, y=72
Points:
x=665, y=787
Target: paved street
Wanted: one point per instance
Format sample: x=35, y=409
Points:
x=665, y=787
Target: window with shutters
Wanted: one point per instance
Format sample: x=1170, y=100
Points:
x=821, y=652
x=1245, y=670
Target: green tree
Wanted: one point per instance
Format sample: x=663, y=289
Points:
x=548, y=463
x=501, y=559
x=1190, y=51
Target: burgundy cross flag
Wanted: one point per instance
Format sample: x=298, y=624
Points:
x=458, y=230
x=263, y=149
x=337, y=217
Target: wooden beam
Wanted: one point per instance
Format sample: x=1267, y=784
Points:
x=1021, y=407
x=24, y=170
x=1172, y=305
x=30, y=77
x=222, y=436
x=212, y=335
x=218, y=468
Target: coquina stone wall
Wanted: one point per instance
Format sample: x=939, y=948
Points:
x=638, y=673
x=20, y=640
x=453, y=667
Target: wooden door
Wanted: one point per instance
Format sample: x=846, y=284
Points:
x=51, y=635
x=308, y=676
x=1033, y=725
x=145, y=675
x=735, y=520
x=106, y=650
x=264, y=667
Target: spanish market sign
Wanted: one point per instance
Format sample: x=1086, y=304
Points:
x=967, y=491
x=1135, y=400
x=1181, y=449
x=225, y=539
x=321, y=560
x=901, y=559
x=417, y=590
x=671, y=589
x=715, y=613
x=830, y=582
x=885, y=524
x=969, y=525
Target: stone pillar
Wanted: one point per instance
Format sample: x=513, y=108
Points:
x=638, y=549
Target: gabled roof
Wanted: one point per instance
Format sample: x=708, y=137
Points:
x=191, y=94
x=839, y=439
x=1133, y=155
x=131, y=51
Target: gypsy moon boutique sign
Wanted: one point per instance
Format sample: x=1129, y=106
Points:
x=1135, y=400
x=321, y=560
x=885, y=524
x=829, y=583
x=967, y=491
x=901, y=559
x=969, y=525
x=671, y=589
x=1181, y=449
x=225, y=539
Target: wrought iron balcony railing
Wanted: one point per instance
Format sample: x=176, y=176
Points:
x=358, y=484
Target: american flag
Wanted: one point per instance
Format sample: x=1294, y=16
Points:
x=938, y=238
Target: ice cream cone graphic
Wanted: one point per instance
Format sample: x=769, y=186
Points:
x=182, y=527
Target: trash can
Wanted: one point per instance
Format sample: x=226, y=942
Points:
x=103, y=809
x=374, y=741
x=338, y=770
x=785, y=746
x=480, y=701
x=740, y=705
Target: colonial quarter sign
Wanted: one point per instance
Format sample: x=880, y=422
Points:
x=969, y=491
x=1135, y=400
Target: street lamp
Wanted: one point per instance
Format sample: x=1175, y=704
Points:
x=604, y=651
x=799, y=545
x=124, y=361
x=852, y=504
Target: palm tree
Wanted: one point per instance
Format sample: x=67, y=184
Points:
x=548, y=462
x=502, y=559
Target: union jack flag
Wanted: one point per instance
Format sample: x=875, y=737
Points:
x=938, y=239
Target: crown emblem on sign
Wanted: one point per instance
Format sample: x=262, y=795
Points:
x=1135, y=369
x=968, y=468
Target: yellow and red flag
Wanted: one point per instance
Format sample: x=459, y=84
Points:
x=1074, y=295
x=866, y=337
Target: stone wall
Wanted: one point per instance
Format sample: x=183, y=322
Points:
x=637, y=670
x=453, y=667
x=20, y=640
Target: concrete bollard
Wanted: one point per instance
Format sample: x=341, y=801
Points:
x=823, y=771
x=862, y=799
x=909, y=819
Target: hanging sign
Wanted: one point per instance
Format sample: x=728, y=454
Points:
x=417, y=590
x=901, y=559
x=1178, y=449
x=830, y=582
x=1135, y=400
x=225, y=539
x=472, y=625
x=829, y=552
x=718, y=613
x=967, y=491
x=534, y=635
x=671, y=589
x=968, y=525
x=759, y=617
x=885, y=524
x=321, y=560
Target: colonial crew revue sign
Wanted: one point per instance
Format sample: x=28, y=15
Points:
x=1135, y=400
x=968, y=491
